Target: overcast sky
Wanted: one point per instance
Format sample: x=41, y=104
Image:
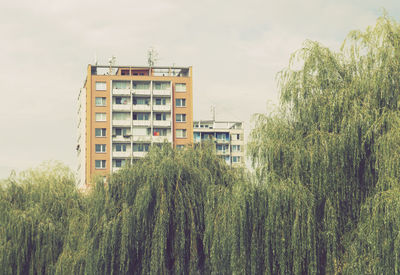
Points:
x=235, y=47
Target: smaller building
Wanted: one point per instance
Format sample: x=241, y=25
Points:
x=227, y=135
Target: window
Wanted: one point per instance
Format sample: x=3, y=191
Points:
x=119, y=162
x=121, y=100
x=180, y=117
x=235, y=148
x=100, y=101
x=161, y=116
x=159, y=132
x=140, y=116
x=100, y=116
x=100, y=132
x=180, y=133
x=140, y=101
x=121, y=84
x=140, y=147
x=100, y=148
x=180, y=87
x=161, y=85
x=235, y=159
x=180, y=102
x=141, y=85
x=161, y=101
x=120, y=148
x=121, y=131
x=100, y=164
x=101, y=86
x=120, y=116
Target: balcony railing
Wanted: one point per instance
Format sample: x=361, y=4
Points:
x=121, y=122
x=141, y=138
x=126, y=154
x=141, y=107
x=161, y=139
x=162, y=108
x=139, y=154
x=121, y=91
x=141, y=123
x=161, y=123
x=122, y=107
x=126, y=138
x=141, y=92
x=162, y=92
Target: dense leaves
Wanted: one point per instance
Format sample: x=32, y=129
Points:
x=337, y=133
x=324, y=197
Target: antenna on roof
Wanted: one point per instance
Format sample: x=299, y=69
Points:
x=152, y=57
x=213, y=112
x=112, y=61
x=95, y=59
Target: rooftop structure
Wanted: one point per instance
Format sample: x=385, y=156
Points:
x=123, y=110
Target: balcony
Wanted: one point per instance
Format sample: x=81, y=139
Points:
x=222, y=152
x=141, y=138
x=121, y=91
x=162, y=108
x=115, y=169
x=141, y=92
x=121, y=122
x=122, y=107
x=161, y=123
x=162, y=92
x=141, y=123
x=126, y=154
x=220, y=140
x=141, y=107
x=161, y=139
x=126, y=138
x=139, y=154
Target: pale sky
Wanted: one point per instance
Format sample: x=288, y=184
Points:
x=235, y=47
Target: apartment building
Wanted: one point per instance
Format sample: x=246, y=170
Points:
x=227, y=135
x=123, y=110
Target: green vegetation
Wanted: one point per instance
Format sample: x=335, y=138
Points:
x=324, y=197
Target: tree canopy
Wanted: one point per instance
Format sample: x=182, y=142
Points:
x=324, y=197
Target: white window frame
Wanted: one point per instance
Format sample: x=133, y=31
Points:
x=101, y=86
x=101, y=116
x=182, y=117
x=180, y=87
x=102, y=163
x=181, y=100
x=101, y=131
x=102, y=148
x=182, y=133
x=102, y=103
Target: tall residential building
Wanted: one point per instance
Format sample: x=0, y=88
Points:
x=227, y=135
x=123, y=110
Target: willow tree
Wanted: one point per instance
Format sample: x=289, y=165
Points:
x=335, y=109
x=35, y=208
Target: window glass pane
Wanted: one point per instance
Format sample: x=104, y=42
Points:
x=180, y=102
x=121, y=84
x=180, y=87
x=161, y=85
x=180, y=133
x=140, y=85
x=100, y=116
x=100, y=101
x=101, y=86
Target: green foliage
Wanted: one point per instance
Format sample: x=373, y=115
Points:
x=324, y=198
x=335, y=133
x=35, y=208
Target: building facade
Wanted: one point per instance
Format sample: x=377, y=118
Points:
x=227, y=135
x=123, y=110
